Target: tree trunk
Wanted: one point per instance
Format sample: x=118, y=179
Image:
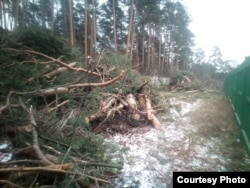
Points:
x=93, y=33
x=4, y=16
x=153, y=51
x=1, y=13
x=149, y=47
x=65, y=20
x=114, y=26
x=16, y=13
x=94, y=16
x=52, y=15
x=43, y=12
x=132, y=43
x=143, y=50
x=71, y=24
x=159, y=52
x=130, y=31
x=86, y=30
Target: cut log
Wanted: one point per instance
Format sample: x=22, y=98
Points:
x=132, y=103
x=149, y=109
x=94, y=117
x=150, y=115
x=155, y=122
x=108, y=103
x=141, y=100
x=130, y=99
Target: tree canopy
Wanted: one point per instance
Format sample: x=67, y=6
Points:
x=155, y=33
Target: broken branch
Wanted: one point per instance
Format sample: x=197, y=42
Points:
x=36, y=146
x=59, y=62
x=59, y=70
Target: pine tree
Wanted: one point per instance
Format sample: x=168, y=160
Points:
x=111, y=25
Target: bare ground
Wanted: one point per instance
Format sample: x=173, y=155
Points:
x=198, y=133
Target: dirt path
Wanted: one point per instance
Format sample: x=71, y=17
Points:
x=198, y=134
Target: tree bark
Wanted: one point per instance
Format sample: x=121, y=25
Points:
x=114, y=25
x=93, y=31
x=86, y=30
x=71, y=24
x=52, y=15
x=130, y=31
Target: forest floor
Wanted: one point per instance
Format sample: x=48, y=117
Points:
x=198, y=133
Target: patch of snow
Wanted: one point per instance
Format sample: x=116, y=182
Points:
x=5, y=154
x=5, y=157
x=4, y=145
x=152, y=156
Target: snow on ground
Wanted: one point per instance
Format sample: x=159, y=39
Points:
x=152, y=155
x=5, y=154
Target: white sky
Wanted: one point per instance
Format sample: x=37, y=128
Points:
x=222, y=23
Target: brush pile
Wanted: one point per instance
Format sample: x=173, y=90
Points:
x=49, y=115
x=183, y=81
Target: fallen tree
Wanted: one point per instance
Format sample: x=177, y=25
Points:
x=183, y=81
x=49, y=120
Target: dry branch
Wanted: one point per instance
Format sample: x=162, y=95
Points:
x=61, y=90
x=59, y=70
x=62, y=168
x=58, y=61
x=16, y=173
x=103, y=84
x=51, y=168
x=66, y=89
x=57, y=106
x=36, y=146
x=8, y=105
x=105, y=105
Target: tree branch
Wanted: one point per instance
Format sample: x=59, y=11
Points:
x=58, y=61
x=36, y=146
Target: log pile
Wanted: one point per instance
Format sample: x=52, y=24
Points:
x=129, y=108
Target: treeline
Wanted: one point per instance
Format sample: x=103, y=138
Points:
x=153, y=34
